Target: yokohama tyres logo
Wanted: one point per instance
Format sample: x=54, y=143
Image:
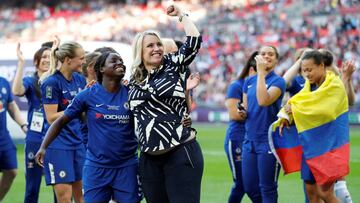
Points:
x=120, y=118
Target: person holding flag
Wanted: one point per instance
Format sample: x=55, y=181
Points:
x=320, y=146
x=295, y=84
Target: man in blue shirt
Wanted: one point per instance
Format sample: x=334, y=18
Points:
x=110, y=169
x=8, y=163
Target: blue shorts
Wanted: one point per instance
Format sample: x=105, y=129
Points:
x=119, y=184
x=306, y=173
x=63, y=166
x=8, y=159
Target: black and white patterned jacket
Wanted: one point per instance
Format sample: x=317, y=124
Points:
x=158, y=104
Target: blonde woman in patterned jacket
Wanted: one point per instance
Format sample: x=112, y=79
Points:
x=171, y=161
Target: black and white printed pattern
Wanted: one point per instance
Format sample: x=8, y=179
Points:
x=158, y=104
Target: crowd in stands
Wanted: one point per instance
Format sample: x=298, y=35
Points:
x=230, y=32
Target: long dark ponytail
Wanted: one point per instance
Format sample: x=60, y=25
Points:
x=250, y=63
x=37, y=58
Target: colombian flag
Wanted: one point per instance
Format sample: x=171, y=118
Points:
x=286, y=148
x=321, y=132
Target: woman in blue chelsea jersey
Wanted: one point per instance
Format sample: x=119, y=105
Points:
x=262, y=101
x=110, y=169
x=235, y=132
x=37, y=125
x=8, y=162
x=65, y=156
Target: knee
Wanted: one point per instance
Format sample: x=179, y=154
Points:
x=13, y=173
x=311, y=193
x=268, y=188
x=327, y=196
x=10, y=174
x=238, y=181
x=63, y=196
x=253, y=192
x=326, y=192
x=251, y=188
x=238, y=186
x=313, y=197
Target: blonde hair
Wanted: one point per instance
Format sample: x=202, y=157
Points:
x=169, y=45
x=67, y=49
x=138, y=71
x=90, y=58
x=299, y=52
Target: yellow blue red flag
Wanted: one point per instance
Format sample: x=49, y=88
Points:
x=321, y=132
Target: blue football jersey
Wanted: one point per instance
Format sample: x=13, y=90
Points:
x=236, y=129
x=6, y=97
x=56, y=89
x=260, y=118
x=112, y=142
x=37, y=124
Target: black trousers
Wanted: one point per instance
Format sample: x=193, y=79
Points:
x=173, y=177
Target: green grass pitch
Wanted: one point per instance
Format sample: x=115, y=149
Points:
x=217, y=180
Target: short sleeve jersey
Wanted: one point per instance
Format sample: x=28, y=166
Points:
x=35, y=106
x=6, y=97
x=296, y=85
x=56, y=89
x=112, y=142
x=259, y=118
x=236, y=129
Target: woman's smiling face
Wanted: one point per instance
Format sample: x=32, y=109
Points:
x=152, y=51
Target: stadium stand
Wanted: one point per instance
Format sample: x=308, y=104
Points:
x=231, y=31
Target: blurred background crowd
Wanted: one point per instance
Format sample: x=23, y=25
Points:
x=231, y=29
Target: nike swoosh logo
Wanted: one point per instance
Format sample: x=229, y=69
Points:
x=98, y=105
x=64, y=92
x=269, y=152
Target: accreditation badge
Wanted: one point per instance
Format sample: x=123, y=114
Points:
x=37, y=121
